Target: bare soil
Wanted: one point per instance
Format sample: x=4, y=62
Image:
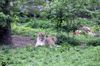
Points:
x=19, y=41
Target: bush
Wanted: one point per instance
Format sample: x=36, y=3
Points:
x=78, y=40
x=40, y=24
x=96, y=28
x=94, y=42
x=28, y=31
x=73, y=41
x=4, y=19
x=33, y=23
x=25, y=31
x=63, y=39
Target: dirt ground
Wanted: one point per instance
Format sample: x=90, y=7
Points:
x=19, y=41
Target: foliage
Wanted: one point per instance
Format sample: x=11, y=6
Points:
x=67, y=11
x=86, y=22
x=27, y=7
x=3, y=19
x=37, y=23
x=4, y=13
x=25, y=30
x=75, y=40
x=95, y=42
x=96, y=28
x=65, y=16
x=62, y=39
x=32, y=27
x=44, y=56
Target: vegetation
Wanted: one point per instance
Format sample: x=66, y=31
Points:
x=21, y=20
x=5, y=25
x=44, y=56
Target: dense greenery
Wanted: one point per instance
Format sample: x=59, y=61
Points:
x=65, y=13
x=5, y=22
x=59, y=18
x=3, y=19
x=44, y=56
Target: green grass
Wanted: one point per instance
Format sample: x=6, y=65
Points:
x=56, y=56
x=28, y=31
x=45, y=56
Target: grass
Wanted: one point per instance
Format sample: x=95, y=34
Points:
x=45, y=56
x=28, y=31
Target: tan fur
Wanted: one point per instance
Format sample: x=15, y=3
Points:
x=86, y=29
x=50, y=40
x=77, y=32
x=42, y=40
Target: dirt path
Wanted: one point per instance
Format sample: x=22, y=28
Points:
x=19, y=41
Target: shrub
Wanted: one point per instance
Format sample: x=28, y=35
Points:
x=28, y=31
x=86, y=22
x=63, y=39
x=33, y=23
x=74, y=41
x=4, y=19
x=96, y=28
x=94, y=42
x=40, y=24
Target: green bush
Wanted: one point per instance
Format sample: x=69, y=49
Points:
x=96, y=28
x=40, y=24
x=25, y=31
x=87, y=22
x=63, y=39
x=55, y=56
x=94, y=42
x=28, y=31
x=4, y=19
x=73, y=41
x=33, y=23
x=78, y=40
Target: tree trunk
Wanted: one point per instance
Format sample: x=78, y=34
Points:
x=5, y=32
x=5, y=35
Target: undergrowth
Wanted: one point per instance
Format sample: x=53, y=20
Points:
x=55, y=56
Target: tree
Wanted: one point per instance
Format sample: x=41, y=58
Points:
x=65, y=13
x=31, y=7
x=5, y=22
x=62, y=14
